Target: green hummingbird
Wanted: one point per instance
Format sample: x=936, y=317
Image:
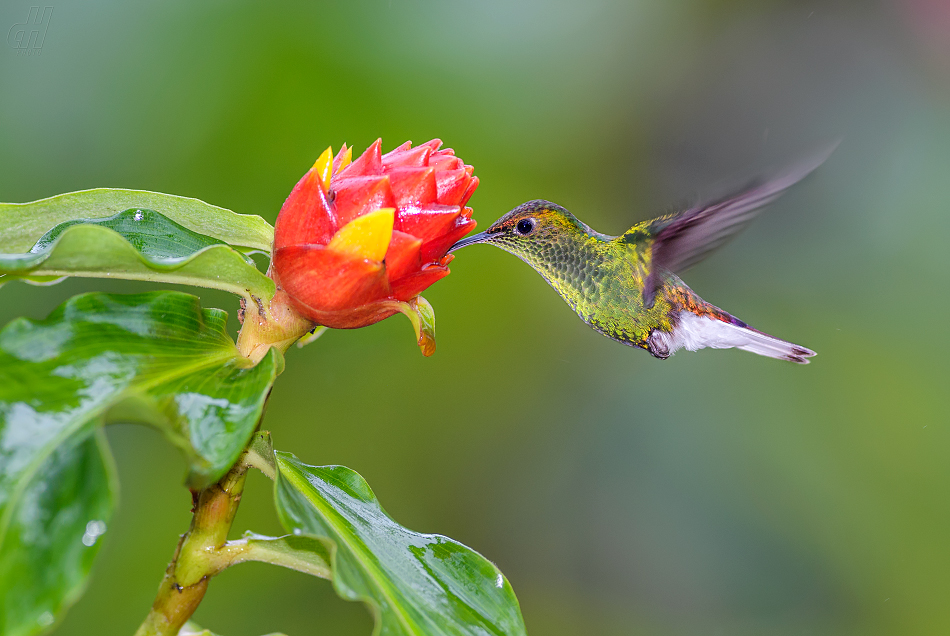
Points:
x=627, y=288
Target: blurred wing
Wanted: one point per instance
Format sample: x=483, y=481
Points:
x=684, y=239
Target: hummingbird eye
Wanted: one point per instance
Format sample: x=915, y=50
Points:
x=525, y=227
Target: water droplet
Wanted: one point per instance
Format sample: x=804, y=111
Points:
x=138, y=215
x=500, y=581
x=298, y=531
x=45, y=619
x=94, y=530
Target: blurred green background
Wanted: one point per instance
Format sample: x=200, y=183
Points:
x=715, y=493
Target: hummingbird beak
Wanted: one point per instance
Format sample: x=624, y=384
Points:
x=475, y=238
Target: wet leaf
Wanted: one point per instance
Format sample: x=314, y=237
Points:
x=154, y=358
x=151, y=233
x=137, y=244
x=22, y=224
x=414, y=583
x=50, y=525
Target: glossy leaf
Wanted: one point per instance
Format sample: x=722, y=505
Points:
x=151, y=233
x=414, y=583
x=50, y=525
x=22, y=224
x=155, y=358
x=138, y=244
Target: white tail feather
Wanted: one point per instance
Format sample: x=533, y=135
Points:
x=694, y=332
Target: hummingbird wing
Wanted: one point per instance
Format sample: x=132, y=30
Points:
x=683, y=239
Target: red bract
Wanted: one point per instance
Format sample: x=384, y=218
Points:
x=354, y=241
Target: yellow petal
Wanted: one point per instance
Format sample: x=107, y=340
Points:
x=366, y=236
x=323, y=168
x=346, y=160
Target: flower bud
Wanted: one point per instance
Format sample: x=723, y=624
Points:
x=356, y=241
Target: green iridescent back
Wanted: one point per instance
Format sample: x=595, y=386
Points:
x=601, y=277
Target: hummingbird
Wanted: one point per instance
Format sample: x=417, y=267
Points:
x=627, y=287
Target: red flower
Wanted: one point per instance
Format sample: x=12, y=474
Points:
x=355, y=242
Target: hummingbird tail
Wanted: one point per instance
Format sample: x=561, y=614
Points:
x=693, y=332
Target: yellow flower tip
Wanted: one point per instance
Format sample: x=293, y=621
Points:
x=366, y=236
x=323, y=168
x=346, y=158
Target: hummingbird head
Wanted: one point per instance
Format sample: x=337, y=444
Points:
x=529, y=231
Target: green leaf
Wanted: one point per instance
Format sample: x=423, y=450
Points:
x=414, y=583
x=50, y=528
x=155, y=358
x=22, y=224
x=138, y=244
x=151, y=233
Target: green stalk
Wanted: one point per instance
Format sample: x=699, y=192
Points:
x=195, y=561
x=204, y=550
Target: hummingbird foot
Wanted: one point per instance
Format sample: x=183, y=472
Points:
x=658, y=344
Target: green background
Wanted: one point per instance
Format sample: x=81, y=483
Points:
x=715, y=493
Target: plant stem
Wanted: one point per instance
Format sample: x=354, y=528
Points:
x=304, y=554
x=278, y=325
x=186, y=578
